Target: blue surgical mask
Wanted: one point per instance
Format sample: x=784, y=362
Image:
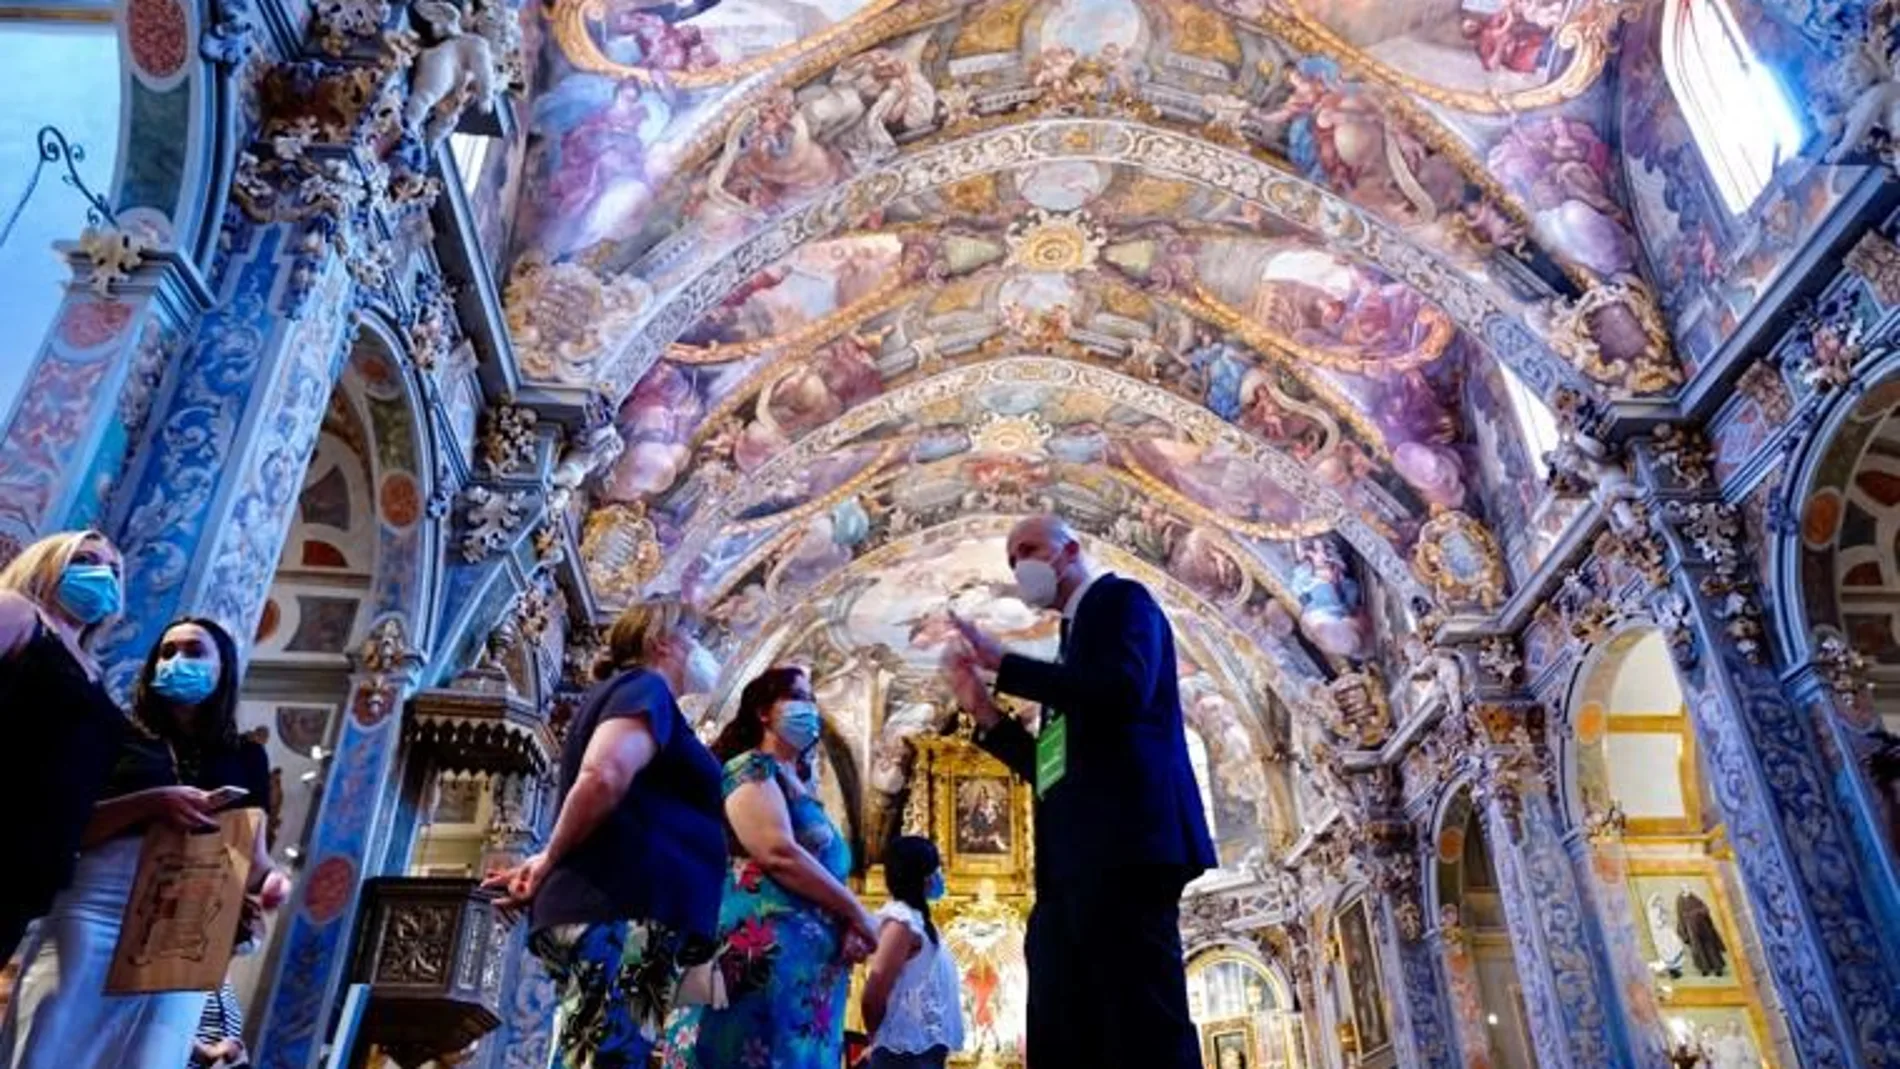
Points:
x=934, y=889
x=185, y=680
x=88, y=592
x=798, y=725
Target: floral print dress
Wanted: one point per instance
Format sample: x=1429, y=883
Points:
x=779, y=957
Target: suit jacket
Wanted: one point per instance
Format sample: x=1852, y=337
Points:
x=1128, y=797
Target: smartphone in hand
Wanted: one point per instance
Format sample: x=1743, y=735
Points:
x=224, y=796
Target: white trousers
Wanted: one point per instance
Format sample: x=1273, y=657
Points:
x=60, y=1016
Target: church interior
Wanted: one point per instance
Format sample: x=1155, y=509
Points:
x=1500, y=397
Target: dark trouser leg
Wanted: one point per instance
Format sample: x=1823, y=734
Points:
x=1058, y=1007
x=1143, y=979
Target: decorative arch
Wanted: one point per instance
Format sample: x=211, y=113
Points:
x=367, y=480
x=1839, y=631
x=1477, y=953
x=1243, y=1008
x=1495, y=319
x=1193, y=420
x=1670, y=900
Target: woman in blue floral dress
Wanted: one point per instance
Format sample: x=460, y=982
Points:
x=789, y=929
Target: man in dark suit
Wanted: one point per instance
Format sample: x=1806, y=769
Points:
x=1119, y=825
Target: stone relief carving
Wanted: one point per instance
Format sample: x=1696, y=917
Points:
x=1876, y=258
x=509, y=439
x=493, y=517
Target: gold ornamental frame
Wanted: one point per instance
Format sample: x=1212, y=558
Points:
x=1217, y=1031
x=945, y=764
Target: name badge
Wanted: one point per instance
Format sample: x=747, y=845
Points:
x=1052, y=754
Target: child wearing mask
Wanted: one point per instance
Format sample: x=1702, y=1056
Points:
x=913, y=999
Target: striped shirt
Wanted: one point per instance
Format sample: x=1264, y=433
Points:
x=223, y=1019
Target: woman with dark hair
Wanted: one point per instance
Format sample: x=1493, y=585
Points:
x=182, y=762
x=913, y=1000
x=789, y=927
x=625, y=896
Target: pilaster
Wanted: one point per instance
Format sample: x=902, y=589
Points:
x=1569, y=990
x=99, y=372
x=1825, y=933
x=357, y=803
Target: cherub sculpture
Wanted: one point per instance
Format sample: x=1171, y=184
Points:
x=1867, y=82
x=471, y=63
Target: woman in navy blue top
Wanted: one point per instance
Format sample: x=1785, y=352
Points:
x=625, y=897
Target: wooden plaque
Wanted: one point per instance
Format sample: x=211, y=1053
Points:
x=181, y=921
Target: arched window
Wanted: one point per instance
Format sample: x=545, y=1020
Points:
x=1203, y=775
x=1535, y=421
x=1742, y=122
x=63, y=70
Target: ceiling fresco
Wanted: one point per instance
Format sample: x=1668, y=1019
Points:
x=678, y=148
x=1238, y=286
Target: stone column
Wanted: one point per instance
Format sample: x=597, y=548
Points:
x=203, y=518
x=1829, y=942
x=85, y=402
x=1451, y=945
x=1568, y=989
x=358, y=798
x=524, y=815
x=1421, y=1023
x=1599, y=852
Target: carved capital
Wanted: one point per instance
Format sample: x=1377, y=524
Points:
x=1876, y=258
x=492, y=519
x=1501, y=660
x=1683, y=454
x=509, y=440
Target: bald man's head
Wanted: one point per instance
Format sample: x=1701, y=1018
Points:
x=1051, y=540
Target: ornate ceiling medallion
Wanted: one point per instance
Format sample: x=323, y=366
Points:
x=1021, y=436
x=1458, y=557
x=1615, y=334
x=1055, y=242
x=622, y=549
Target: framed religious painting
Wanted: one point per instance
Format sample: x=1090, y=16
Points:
x=980, y=815
x=1229, y=1044
x=1685, y=930
x=1359, y=975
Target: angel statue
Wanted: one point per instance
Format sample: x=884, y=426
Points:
x=468, y=65
x=1867, y=84
x=1432, y=673
x=1584, y=464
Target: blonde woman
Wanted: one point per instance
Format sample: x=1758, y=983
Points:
x=626, y=895
x=64, y=729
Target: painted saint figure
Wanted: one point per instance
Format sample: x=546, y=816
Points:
x=1696, y=925
x=1670, y=950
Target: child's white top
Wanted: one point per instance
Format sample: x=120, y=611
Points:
x=926, y=1004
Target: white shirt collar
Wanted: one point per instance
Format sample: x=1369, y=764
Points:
x=1075, y=599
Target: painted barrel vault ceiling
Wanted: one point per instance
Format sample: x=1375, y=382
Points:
x=1235, y=285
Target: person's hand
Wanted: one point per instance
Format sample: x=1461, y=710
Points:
x=860, y=939
x=854, y=949
x=230, y=1051
x=275, y=890
x=186, y=808
x=959, y=670
x=519, y=884
x=18, y=621
x=984, y=648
